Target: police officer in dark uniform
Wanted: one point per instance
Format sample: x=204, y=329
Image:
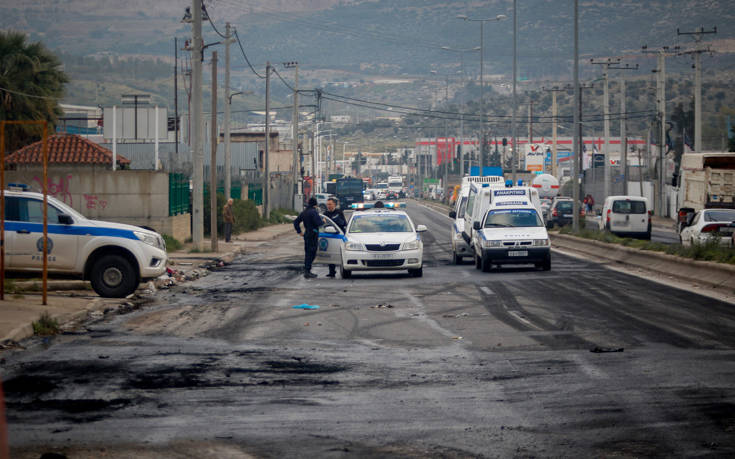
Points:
x=312, y=221
x=336, y=215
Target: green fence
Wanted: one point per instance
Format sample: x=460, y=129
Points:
x=178, y=194
x=255, y=193
x=235, y=190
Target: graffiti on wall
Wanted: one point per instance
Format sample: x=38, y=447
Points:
x=59, y=190
x=93, y=202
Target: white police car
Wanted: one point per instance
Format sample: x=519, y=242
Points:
x=376, y=240
x=115, y=257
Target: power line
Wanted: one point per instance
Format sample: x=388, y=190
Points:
x=237, y=36
x=29, y=95
x=209, y=18
x=281, y=78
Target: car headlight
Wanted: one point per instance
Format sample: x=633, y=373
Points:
x=148, y=238
x=489, y=244
x=540, y=242
x=411, y=245
x=355, y=246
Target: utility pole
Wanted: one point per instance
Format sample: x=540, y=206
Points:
x=213, y=161
x=228, y=147
x=623, y=137
x=697, y=52
x=661, y=101
x=266, y=166
x=577, y=122
x=197, y=230
x=606, y=119
x=555, y=121
x=530, y=122
x=297, y=198
x=176, y=96
x=515, y=79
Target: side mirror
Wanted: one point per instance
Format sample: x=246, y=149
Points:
x=421, y=228
x=330, y=229
x=476, y=226
x=452, y=214
x=65, y=219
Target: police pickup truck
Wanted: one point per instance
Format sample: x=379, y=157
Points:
x=114, y=257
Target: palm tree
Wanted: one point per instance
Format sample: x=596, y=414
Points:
x=31, y=84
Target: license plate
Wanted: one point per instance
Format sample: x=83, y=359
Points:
x=567, y=215
x=382, y=256
x=727, y=230
x=518, y=253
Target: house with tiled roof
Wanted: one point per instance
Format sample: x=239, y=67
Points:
x=80, y=175
x=64, y=150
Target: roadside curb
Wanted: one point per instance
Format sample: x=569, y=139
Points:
x=715, y=275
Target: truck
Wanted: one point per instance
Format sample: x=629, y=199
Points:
x=395, y=184
x=349, y=191
x=707, y=181
x=547, y=186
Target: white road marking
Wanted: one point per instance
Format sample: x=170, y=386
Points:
x=487, y=290
x=518, y=316
x=435, y=211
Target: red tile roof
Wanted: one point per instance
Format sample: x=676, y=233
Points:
x=65, y=149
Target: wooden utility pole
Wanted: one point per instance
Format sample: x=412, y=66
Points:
x=266, y=166
x=213, y=162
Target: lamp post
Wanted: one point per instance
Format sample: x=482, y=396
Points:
x=482, y=22
x=461, y=52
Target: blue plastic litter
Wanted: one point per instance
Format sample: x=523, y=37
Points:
x=306, y=306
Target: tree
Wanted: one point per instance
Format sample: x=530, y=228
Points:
x=31, y=84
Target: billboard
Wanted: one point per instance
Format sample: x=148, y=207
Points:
x=535, y=154
x=136, y=123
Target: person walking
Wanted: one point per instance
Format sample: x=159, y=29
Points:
x=312, y=221
x=228, y=218
x=338, y=217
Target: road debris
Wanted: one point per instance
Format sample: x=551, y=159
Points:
x=381, y=306
x=601, y=350
x=306, y=306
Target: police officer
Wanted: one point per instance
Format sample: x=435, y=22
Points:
x=336, y=215
x=311, y=220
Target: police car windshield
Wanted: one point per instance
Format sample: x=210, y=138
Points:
x=380, y=224
x=512, y=218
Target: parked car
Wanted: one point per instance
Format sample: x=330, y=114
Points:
x=375, y=240
x=626, y=216
x=708, y=225
x=321, y=200
x=561, y=211
x=115, y=257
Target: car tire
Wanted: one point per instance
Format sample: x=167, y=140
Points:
x=546, y=265
x=113, y=276
x=478, y=262
x=416, y=272
x=345, y=273
x=456, y=260
x=487, y=264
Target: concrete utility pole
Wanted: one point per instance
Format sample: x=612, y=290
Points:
x=606, y=118
x=266, y=166
x=515, y=79
x=297, y=193
x=228, y=147
x=554, y=125
x=623, y=137
x=197, y=230
x=213, y=161
x=530, y=122
x=697, y=52
x=577, y=124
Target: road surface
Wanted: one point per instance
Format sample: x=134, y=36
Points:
x=458, y=363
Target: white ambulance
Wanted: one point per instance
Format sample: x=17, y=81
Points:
x=460, y=246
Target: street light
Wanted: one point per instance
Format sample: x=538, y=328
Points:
x=482, y=22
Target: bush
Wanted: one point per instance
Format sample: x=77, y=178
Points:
x=46, y=325
x=172, y=244
x=709, y=251
x=246, y=216
x=280, y=216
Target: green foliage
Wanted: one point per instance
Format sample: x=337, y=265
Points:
x=45, y=325
x=709, y=251
x=172, y=244
x=245, y=212
x=31, y=84
x=280, y=216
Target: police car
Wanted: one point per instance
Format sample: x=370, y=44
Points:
x=375, y=240
x=114, y=257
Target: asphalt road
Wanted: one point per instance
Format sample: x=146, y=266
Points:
x=458, y=363
x=663, y=235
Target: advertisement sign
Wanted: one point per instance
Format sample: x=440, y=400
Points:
x=445, y=148
x=535, y=157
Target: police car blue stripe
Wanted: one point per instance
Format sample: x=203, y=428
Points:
x=71, y=230
x=332, y=236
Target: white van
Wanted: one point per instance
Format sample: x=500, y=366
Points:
x=511, y=231
x=626, y=216
x=482, y=196
x=460, y=247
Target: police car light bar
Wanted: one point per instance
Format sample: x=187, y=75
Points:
x=18, y=187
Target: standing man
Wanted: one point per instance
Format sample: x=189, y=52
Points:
x=336, y=215
x=312, y=221
x=228, y=218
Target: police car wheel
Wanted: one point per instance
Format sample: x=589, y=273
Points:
x=113, y=277
x=416, y=272
x=455, y=259
x=486, y=264
x=345, y=273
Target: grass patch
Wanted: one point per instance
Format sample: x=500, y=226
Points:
x=172, y=244
x=280, y=216
x=710, y=251
x=45, y=325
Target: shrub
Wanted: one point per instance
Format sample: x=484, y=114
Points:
x=46, y=325
x=172, y=243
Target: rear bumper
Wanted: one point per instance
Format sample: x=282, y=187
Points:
x=502, y=255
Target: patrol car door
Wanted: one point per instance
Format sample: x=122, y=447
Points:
x=9, y=233
x=28, y=251
x=329, y=248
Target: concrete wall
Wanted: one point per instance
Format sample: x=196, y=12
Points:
x=137, y=197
